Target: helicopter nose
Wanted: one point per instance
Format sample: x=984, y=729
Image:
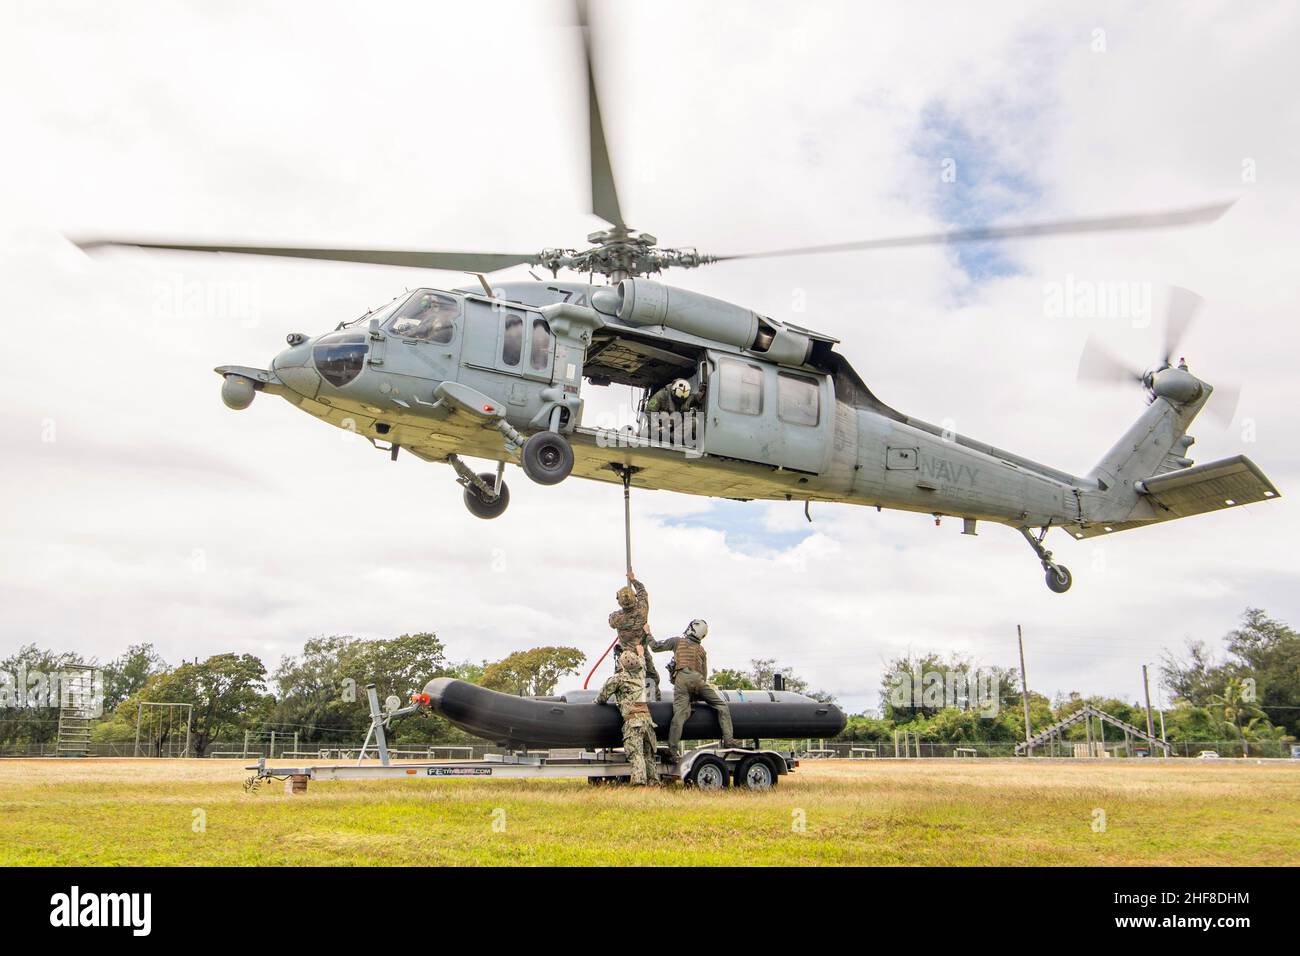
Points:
x=293, y=366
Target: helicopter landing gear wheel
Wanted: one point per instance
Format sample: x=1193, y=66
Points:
x=483, y=507
x=547, y=458
x=1058, y=578
x=1058, y=575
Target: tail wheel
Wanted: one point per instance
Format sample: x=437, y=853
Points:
x=547, y=458
x=755, y=773
x=708, y=773
x=486, y=508
x=1058, y=578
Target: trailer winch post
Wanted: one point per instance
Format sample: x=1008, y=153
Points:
x=376, y=728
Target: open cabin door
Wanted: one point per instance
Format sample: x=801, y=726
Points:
x=763, y=413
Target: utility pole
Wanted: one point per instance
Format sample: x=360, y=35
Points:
x=1146, y=690
x=1024, y=686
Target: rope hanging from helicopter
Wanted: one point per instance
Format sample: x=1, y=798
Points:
x=627, y=550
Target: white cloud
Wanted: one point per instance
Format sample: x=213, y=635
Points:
x=157, y=514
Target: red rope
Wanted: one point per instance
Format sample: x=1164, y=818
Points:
x=597, y=664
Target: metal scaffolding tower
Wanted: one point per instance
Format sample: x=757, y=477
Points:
x=76, y=709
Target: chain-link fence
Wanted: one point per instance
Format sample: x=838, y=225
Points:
x=284, y=748
x=876, y=749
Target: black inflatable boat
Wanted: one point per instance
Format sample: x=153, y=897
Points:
x=574, y=720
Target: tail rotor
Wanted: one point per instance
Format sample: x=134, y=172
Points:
x=1098, y=365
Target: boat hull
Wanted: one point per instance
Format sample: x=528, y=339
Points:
x=573, y=720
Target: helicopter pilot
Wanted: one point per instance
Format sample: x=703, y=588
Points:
x=430, y=317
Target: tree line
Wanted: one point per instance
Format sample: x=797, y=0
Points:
x=1248, y=691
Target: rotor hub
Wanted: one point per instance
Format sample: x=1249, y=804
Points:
x=619, y=252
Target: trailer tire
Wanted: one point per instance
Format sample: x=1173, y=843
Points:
x=755, y=773
x=708, y=773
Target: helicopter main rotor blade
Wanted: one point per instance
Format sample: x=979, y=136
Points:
x=1180, y=312
x=455, y=261
x=604, y=194
x=1060, y=227
x=1096, y=364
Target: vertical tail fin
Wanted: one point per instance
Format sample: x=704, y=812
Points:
x=1155, y=444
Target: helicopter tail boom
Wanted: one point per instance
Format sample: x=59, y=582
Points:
x=1147, y=477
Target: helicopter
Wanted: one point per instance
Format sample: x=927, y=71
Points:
x=735, y=404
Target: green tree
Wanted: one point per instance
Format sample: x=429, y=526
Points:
x=468, y=671
x=127, y=674
x=914, y=688
x=532, y=673
x=1195, y=677
x=29, y=694
x=762, y=675
x=728, y=679
x=1239, y=710
x=322, y=693
x=227, y=691
x=861, y=727
x=1263, y=654
x=1269, y=654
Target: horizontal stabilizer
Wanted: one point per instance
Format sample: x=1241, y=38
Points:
x=1215, y=486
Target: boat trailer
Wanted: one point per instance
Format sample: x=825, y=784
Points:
x=707, y=767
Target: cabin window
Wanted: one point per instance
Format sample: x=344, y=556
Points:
x=539, y=350
x=426, y=316
x=797, y=400
x=512, y=344
x=740, y=387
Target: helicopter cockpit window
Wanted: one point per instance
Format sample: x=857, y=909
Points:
x=340, y=356
x=740, y=387
x=512, y=345
x=539, y=353
x=797, y=400
x=427, y=316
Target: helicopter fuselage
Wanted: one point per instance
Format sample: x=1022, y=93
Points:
x=777, y=414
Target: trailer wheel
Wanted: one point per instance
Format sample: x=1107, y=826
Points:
x=708, y=773
x=755, y=773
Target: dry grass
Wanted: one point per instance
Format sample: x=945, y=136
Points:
x=110, y=812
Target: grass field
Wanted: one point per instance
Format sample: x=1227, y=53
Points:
x=114, y=812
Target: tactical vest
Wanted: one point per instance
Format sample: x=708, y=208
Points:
x=689, y=655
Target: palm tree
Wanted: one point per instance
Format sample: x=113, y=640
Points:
x=1238, y=710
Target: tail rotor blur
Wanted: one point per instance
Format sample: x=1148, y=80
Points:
x=1098, y=365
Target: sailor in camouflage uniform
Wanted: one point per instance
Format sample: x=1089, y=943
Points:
x=689, y=668
x=631, y=623
x=668, y=407
x=627, y=689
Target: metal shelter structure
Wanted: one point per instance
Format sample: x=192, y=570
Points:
x=1055, y=734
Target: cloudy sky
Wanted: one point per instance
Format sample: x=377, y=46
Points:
x=137, y=507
